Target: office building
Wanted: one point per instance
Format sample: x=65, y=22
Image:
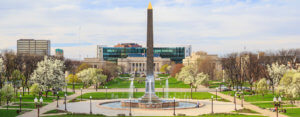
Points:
x=59, y=52
x=176, y=54
x=33, y=47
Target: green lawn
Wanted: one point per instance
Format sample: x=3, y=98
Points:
x=231, y=93
x=270, y=105
x=293, y=112
x=178, y=95
x=24, y=105
x=207, y=115
x=8, y=113
x=245, y=110
x=255, y=98
x=50, y=98
x=125, y=83
x=54, y=111
x=214, y=84
x=77, y=85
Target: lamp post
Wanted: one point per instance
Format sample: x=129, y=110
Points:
x=80, y=94
x=65, y=101
x=174, y=107
x=90, y=104
x=212, y=104
x=216, y=94
x=235, y=101
x=277, y=103
x=130, y=106
x=191, y=92
x=57, y=99
x=38, y=105
x=105, y=92
x=20, y=103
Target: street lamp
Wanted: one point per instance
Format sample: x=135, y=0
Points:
x=130, y=106
x=235, y=101
x=20, y=103
x=174, y=106
x=65, y=101
x=80, y=94
x=38, y=105
x=57, y=99
x=90, y=104
x=277, y=103
x=105, y=92
x=216, y=94
x=212, y=104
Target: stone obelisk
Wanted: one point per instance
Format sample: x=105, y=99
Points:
x=150, y=82
x=150, y=41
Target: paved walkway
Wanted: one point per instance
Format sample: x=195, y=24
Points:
x=52, y=105
x=84, y=107
x=264, y=112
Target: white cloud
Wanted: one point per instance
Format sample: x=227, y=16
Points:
x=217, y=26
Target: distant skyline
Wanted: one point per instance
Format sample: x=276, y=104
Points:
x=214, y=26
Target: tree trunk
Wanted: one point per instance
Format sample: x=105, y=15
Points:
x=6, y=104
x=273, y=89
x=23, y=90
x=47, y=93
x=28, y=90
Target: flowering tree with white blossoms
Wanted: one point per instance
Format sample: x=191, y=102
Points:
x=276, y=72
x=91, y=75
x=262, y=87
x=49, y=74
x=290, y=85
x=189, y=75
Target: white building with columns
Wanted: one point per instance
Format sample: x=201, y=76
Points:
x=138, y=64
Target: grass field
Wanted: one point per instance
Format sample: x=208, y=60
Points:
x=178, y=95
x=125, y=83
x=24, y=105
x=245, y=110
x=77, y=85
x=265, y=105
x=50, y=98
x=293, y=112
x=8, y=113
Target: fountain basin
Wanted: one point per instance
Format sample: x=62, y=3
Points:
x=160, y=104
x=135, y=104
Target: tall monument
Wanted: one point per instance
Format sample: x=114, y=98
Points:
x=150, y=81
x=149, y=100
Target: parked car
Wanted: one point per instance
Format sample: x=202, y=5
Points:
x=223, y=88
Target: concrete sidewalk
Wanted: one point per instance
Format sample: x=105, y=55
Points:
x=247, y=105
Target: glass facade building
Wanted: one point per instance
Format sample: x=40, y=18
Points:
x=176, y=54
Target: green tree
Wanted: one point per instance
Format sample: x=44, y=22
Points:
x=163, y=68
x=262, y=87
x=73, y=78
x=289, y=85
x=83, y=66
x=17, y=80
x=7, y=92
x=35, y=89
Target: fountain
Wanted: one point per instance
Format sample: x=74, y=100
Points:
x=167, y=88
x=131, y=88
x=149, y=100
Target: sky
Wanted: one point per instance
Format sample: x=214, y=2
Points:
x=215, y=26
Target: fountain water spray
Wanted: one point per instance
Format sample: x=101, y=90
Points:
x=167, y=88
x=131, y=89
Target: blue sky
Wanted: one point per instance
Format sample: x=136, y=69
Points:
x=215, y=26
